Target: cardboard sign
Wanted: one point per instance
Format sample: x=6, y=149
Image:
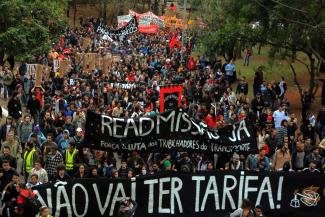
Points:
x=107, y=63
x=80, y=59
x=47, y=72
x=31, y=71
x=86, y=43
x=173, y=22
x=16, y=67
x=90, y=60
x=56, y=65
x=65, y=67
x=38, y=77
x=99, y=61
x=116, y=58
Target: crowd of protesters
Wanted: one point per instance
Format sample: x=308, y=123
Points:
x=42, y=136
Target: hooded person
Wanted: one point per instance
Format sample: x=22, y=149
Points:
x=64, y=142
x=127, y=207
x=235, y=163
x=38, y=136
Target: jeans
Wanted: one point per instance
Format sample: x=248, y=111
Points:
x=36, y=118
x=246, y=60
x=5, y=91
x=321, y=130
x=230, y=79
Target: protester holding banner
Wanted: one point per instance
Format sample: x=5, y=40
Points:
x=142, y=112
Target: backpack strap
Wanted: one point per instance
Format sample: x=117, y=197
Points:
x=27, y=198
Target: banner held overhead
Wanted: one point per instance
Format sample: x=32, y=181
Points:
x=172, y=130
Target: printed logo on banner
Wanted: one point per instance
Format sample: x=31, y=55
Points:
x=130, y=28
x=308, y=196
x=123, y=20
x=170, y=97
x=56, y=65
x=31, y=71
x=171, y=101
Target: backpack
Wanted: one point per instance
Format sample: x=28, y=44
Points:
x=32, y=203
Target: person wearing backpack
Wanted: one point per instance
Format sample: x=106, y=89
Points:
x=27, y=203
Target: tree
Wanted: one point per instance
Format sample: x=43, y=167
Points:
x=288, y=26
x=28, y=26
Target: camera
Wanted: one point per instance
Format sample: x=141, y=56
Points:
x=125, y=202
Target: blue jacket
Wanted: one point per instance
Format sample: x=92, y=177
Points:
x=255, y=166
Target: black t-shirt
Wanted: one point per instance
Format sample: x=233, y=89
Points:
x=321, y=117
x=6, y=178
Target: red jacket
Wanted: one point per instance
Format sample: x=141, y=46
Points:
x=23, y=194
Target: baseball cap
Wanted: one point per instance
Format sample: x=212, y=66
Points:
x=79, y=129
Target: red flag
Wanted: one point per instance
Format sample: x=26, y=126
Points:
x=172, y=7
x=173, y=41
x=191, y=63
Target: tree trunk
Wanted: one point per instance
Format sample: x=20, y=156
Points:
x=74, y=13
x=238, y=51
x=259, y=49
x=149, y=5
x=105, y=10
x=312, y=73
x=2, y=55
x=11, y=61
x=156, y=7
x=143, y=5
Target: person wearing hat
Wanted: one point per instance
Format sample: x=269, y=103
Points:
x=44, y=212
x=78, y=138
x=30, y=157
x=37, y=136
x=63, y=143
x=69, y=157
x=167, y=165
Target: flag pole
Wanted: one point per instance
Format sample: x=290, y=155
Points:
x=184, y=28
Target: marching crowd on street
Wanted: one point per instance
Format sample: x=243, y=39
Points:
x=42, y=138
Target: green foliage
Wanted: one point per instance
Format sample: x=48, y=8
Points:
x=27, y=26
x=289, y=24
x=229, y=27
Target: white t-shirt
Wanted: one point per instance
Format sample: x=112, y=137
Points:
x=279, y=117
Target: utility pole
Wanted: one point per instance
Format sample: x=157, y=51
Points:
x=184, y=28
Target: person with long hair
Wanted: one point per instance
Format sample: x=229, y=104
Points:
x=281, y=156
x=211, y=119
x=245, y=210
